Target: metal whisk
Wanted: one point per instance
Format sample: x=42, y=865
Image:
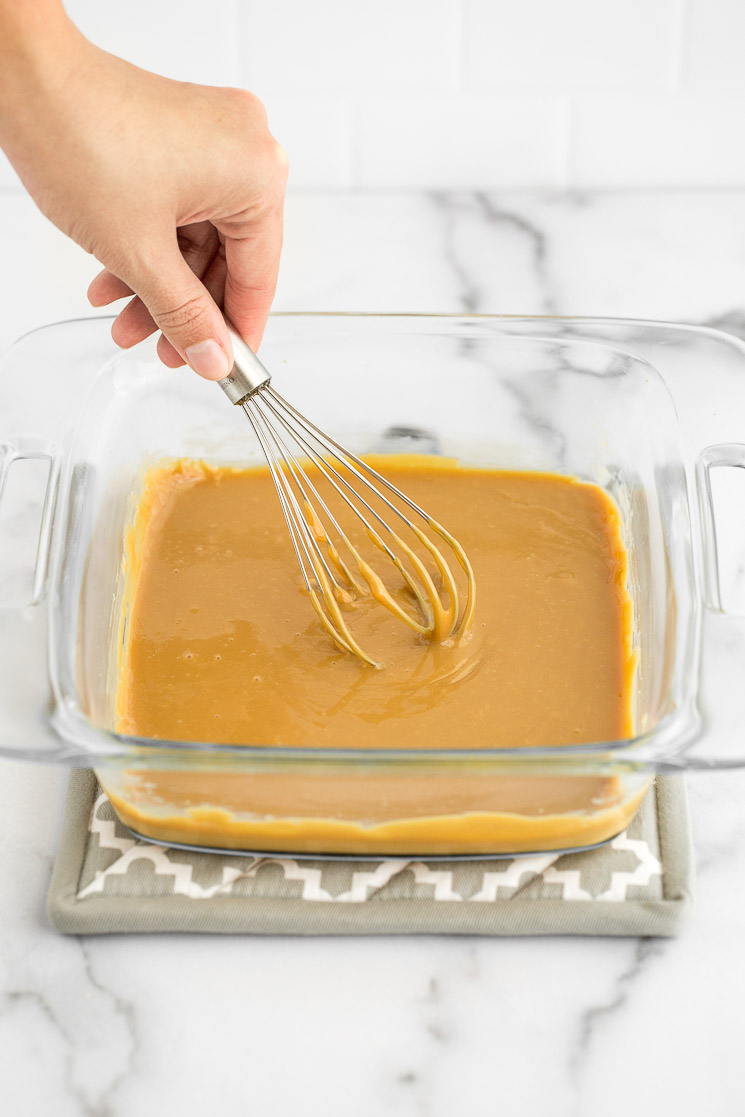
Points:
x=335, y=572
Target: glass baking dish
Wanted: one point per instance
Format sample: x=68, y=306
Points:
x=594, y=399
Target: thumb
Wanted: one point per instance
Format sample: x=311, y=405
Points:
x=182, y=307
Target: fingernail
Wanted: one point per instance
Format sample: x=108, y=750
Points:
x=209, y=359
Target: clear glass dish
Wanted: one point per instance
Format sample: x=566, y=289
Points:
x=595, y=399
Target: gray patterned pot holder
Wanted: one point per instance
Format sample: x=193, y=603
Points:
x=106, y=880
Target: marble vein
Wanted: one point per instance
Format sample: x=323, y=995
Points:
x=596, y=1016
x=126, y=1011
x=535, y=236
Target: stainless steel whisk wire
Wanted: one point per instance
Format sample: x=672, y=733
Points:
x=275, y=421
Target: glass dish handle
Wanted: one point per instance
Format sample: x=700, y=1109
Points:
x=727, y=454
x=33, y=448
x=721, y=537
x=25, y=729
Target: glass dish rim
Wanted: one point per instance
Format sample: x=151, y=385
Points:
x=597, y=319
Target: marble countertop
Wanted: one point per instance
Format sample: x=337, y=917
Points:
x=125, y=1026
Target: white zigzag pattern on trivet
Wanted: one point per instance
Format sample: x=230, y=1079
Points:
x=441, y=878
x=184, y=885
x=511, y=876
x=106, y=829
x=365, y=880
x=132, y=851
x=362, y=881
x=569, y=880
x=648, y=867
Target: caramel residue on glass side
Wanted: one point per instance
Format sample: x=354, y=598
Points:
x=477, y=816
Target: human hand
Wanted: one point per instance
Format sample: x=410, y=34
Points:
x=177, y=189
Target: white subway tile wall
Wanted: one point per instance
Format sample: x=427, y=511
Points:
x=658, y=141
x=569, y=45
x=463, y=94
x=350, y=47
x=460, y=141
x=713, y=55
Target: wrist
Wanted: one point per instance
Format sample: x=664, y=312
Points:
x=36, y=50
x=39, y=51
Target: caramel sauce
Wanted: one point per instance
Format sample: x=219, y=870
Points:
x=222, y=646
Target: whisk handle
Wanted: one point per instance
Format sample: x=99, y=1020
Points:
x=247, y=374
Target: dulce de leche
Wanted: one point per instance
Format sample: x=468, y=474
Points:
x=220, y=645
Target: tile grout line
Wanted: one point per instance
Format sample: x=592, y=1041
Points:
x=353, y=168
x=458, y=55
x=680, y=57
x=568, y=168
